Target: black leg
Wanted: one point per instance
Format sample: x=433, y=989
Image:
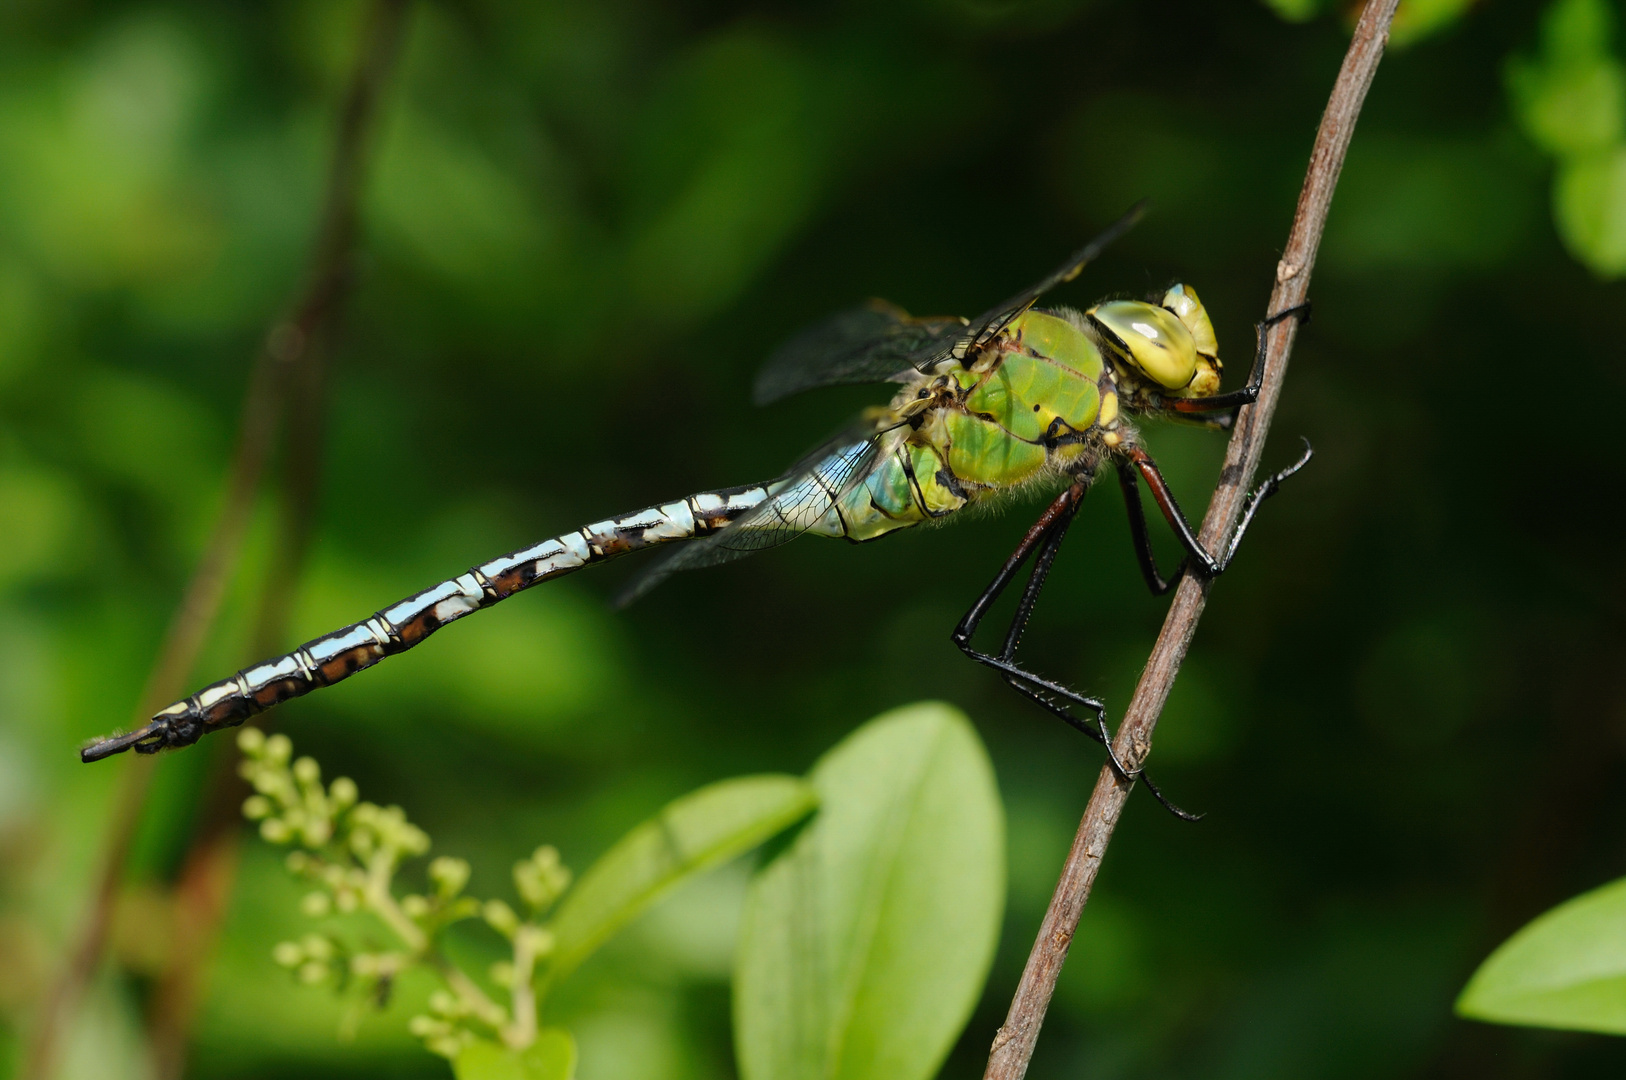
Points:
x=1045, y=538
x=1130, y=484
x=1248, y=394
x=1207, y=565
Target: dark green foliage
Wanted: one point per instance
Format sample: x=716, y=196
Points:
x=588, y=224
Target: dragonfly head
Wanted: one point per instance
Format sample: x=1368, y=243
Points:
x=1171, y=344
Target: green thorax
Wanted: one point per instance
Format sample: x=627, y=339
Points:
x=1025, y=405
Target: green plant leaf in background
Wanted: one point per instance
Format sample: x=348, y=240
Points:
x=1567, y=969
x=1570, y=100
x=1297, y=11
x=1414, y=19
x=1589, y=203
x=864, y=945
x=551, y=1057
x=689, y=835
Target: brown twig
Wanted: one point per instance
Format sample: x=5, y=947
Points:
x=288, y=366
x=1013, y=1045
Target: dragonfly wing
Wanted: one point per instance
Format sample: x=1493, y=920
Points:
x=992, y=321
x=882, y=343
x=799, y=502
x=875, y=342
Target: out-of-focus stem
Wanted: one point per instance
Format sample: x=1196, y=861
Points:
x=472, y=997
x=288, y=365
x=302, y=342
x=528, y=942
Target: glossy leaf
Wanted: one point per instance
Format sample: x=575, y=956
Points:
x=1567, y=969
x=551, y=1057
x=691, y=834
x=865, y=943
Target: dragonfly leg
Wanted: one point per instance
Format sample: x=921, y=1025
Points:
x=1228, y=404
x=1129, y=481
x=1207, y=565
x=1045, y=538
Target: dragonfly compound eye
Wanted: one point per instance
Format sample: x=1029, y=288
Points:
x=1182, y=300
x=1152, y=338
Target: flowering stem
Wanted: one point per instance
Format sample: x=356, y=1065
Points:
x=472, y=997
x=527, y=947
x=379, y=871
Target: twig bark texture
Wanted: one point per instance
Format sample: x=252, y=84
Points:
x=1013, y=1045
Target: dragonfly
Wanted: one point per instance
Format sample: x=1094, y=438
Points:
x=1018, y=397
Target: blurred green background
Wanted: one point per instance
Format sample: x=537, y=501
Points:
x=585, y=226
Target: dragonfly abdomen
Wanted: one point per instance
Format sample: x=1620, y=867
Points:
x=397, y=628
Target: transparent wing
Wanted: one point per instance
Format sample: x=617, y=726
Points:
x=799, y=502
x=873, y=343
x=882, y=343
x=992, y=321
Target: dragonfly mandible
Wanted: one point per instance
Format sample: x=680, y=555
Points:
x=1016, y=397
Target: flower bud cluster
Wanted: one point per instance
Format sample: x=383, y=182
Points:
x=289, y=800
x=445, y=1028
x=350, y=850
x=541, y=879
x=314, y=958
x=445, y=903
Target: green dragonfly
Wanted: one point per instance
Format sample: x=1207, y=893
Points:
x=1018, y=397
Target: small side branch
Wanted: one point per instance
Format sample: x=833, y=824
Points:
x=1013, y=1045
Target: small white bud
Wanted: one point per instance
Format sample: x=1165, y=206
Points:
x=343, y=792
x=278, y=749
x=449, y=875
x=426, y=1026
x=500, y=917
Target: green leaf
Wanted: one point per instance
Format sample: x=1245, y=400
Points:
x=1297, y=11
x=1590, y=205
x=551, y=1057
x=1414, y=20
x=1573, y=31
x=1567, y=969
x=865, y=943
x=1418, y=19
x=1569, y=108
x=1571, y=99
x=691, y=834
